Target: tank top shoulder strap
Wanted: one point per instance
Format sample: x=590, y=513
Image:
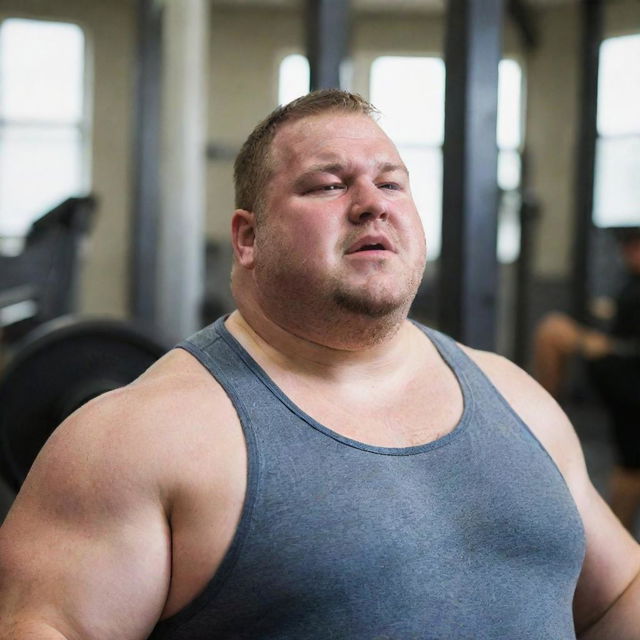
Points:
x=468, y=372
x=446, y=346
x=228, y=363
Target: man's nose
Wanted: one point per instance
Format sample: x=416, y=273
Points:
x=368, y=204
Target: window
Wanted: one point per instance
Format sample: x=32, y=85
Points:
x=294, y=77
x=617, y=187
x=410, y=93
x=293, y=80
x=43, y=124
x=509, y=138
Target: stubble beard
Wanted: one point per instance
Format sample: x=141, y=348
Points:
x=327, y=308
x=368, y=302
x=332, y=311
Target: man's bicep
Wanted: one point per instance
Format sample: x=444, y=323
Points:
x=86, y=546
x=611, y=563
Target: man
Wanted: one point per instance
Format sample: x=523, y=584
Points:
x=342, y=474
x=613, y=366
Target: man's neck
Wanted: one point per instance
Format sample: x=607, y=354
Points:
x=269, y=341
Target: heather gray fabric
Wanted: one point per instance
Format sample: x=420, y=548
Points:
x=474, y=536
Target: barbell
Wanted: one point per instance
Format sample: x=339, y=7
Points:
x=61, y=365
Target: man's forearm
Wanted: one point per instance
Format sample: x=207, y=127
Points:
x=621, y=621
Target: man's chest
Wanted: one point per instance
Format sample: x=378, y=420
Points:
x=419, y=411
x=341, y=536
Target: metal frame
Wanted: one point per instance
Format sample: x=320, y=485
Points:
x=327, y=33
x=592, y=28
x=146, y=134
x=469, y=271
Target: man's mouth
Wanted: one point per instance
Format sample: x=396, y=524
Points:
x=370, y=243
x=370, y=247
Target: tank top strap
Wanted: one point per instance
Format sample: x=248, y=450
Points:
x=228, y=364
x=220, y=356
x=448, y=348
x=468, y=372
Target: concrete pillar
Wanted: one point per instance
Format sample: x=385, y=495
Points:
x=180, y=282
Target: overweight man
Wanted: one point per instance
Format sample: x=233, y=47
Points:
x=315, y=465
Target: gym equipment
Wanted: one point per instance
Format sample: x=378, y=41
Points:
x=61, y=365
x=45, y=274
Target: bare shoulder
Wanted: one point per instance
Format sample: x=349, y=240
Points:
x=147, y=428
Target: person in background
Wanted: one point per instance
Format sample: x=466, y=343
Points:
x=613, y=366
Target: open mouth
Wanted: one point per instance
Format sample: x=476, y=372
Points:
x=370, y=247
x=370, y=243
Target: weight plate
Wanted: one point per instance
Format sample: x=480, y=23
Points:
x=61, y=365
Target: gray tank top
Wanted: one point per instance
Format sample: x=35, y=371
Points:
x=473, y=536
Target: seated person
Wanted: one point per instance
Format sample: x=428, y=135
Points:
x=613, y=366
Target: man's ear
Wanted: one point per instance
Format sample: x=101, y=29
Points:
x=243, y=235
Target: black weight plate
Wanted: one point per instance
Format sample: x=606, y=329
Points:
x=61, y=365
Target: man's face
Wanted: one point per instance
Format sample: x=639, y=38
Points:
x=339, y=225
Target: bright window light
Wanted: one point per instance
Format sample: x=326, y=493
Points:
x=509, y=139
x=617, y=187
x=409, y=92
x=509, y=130
x=619, y=86
x=41, y=66
x=293, y=80
x=42, y=121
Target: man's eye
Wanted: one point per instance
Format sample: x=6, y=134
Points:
x=326, y=187
x=393, y=186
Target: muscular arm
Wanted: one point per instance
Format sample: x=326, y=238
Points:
x=607, y=598
x=620, y=620
x=85, y=550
